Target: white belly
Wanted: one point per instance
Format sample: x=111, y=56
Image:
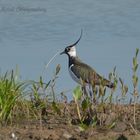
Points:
x=73, y=76
x=87, y=86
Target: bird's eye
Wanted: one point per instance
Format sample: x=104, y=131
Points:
x=68, y=49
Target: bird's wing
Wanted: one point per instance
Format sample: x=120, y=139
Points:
x=86, y=73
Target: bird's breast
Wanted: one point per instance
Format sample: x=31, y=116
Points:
x=73, y=75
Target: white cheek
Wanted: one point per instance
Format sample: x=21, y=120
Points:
x=72, y=53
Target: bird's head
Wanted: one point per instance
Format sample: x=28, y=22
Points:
x=71, y=50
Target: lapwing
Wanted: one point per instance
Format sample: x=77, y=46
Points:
x=80, y=71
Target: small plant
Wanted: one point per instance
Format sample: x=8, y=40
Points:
x=124, y=89
x=83, y=108
x=43, y=95
x=102, y=93
x=53, y=81
x=55, y=106
x=77, y=94
x=88, y=109
x=10, y=91
x=135, y=82
x=38, y=92
x=113, y=77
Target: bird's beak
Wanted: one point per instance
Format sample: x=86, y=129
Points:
x=62, y=53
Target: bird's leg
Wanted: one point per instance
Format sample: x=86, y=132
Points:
x=84, y=91
x=90, y=92
x=94, y=91
x=83, y=87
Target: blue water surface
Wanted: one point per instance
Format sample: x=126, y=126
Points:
x=32, y=31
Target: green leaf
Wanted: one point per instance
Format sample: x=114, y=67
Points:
x=58, y=67
x=137, y=51
x=121, y=81
x=135, y=80
x=83, y=127
x=110, y=76
x=56, y=108
x=94, y=121
x=41, y=81
x=77, y=94
x=114, y=70
x=112, y=125
x=85, y=104
x=126, y=89
x=134, y=61
x=115, y=82
x=136, y=67
x=47, y=84
x=102, y=91
x=34, y=87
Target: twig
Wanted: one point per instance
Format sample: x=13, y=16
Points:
x=135, y=131
x=78, y=110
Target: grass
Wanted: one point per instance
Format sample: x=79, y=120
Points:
x=102, y=101
x=37, y=100
x=10, y=92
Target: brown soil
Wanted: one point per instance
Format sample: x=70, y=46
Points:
x=61, y=127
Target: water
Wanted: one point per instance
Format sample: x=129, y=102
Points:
x=32, y=31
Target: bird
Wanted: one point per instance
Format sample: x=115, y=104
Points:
x=80, y=71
